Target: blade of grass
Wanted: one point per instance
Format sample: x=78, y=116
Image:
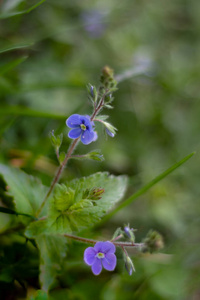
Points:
x=18, y=110
x=11, y=65
x=14, y=47
x=13, y=14
x=145, y=188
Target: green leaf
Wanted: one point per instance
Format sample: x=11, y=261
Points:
x=11, y=65
x=14, y=47
x=12, y=212
x=40, y=295
x=94, y=155
x=148, y=186
x=52, y=254
x=27, y=191
x=69, y=212
x=18, y=110
x=13, y=14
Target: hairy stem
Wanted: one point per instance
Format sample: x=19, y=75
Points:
x=90, y=241
x=58, y=174
x=68, y=155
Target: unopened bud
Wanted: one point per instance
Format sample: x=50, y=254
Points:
x=128, y=232
x=153, y=242
x=93, y=194
x=129, y=265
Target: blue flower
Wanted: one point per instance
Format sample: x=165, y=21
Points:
x=81, y=127
x=101, y=254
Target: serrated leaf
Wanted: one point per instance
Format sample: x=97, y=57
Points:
x=27, y=191
x=52, y=254
x=69, y=212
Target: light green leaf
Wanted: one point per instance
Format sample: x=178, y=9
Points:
x=27, y=191
x=69, y=212
x=114, y=186
x=94, y=155
x=52, y=254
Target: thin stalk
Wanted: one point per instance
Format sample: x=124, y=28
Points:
x=67, y=157
x=90, y=241
x=58, y=174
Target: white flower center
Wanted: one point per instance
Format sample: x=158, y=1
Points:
x=100, y=255
x=83, y=127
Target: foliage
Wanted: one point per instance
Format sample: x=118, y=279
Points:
x=49, y=51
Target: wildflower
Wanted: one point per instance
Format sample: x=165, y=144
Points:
x=82, y=127
x=101, y=254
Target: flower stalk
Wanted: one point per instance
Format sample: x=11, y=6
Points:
x=91, y=241
x=68, y=156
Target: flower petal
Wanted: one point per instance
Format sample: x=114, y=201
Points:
x=109, y=261
x=75, y=133
x=86, y=121
x=97, y=266
x=98, y=246
x=95, y=136
x=73, y=121
x=108, y=247
x=87, y=137
x=89, y=256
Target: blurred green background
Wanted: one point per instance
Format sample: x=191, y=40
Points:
x=47, y=56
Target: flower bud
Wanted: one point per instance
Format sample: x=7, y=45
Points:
x=110, y=129
x=128, y=232
x=153, y=242
x=93, y=194
x=129, y=265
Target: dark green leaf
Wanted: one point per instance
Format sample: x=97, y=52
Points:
x=11, y=65
x=52, y=254
x=27, y=191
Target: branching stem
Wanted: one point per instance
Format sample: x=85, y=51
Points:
x=68, y=155
x=90, y=241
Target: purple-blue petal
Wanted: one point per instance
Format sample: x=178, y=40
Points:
x=109, y=262
x=87, y=137
x=108, y=247
x=86, y=121
x=73, y=121
x=98, y=246
x=109, y=132
x=75, y=133
x=95, y=136
x=97, y=266
x=89, y=256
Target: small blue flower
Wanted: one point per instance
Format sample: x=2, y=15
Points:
x=81, y=127
x=101, y=254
